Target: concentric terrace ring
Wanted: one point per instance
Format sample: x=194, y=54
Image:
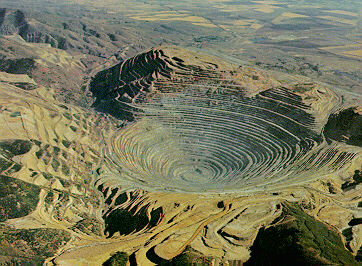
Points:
x=200, y=128
x=194, y=142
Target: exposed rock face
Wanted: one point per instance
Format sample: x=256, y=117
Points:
x=128, y=81
x=345, y=126
x=15, y=22
x=74, y=32
x=32, y=65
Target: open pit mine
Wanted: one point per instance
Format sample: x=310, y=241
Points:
x=189, y=157
x=202, y=127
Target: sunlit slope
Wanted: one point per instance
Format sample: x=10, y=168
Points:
x=48, y=151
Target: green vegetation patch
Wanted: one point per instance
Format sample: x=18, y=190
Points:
x=117, y=259
x=18, y=66
x=30, y=247
x=73, y=128
x=296, y=238
x=17, y=198
x=5, y=164
x=39, y=153
x=189, y=257
x=49, y=197
x=15, y=114
x=66, y=143
x=24, y=85
x=89, y=226
x=11, y=148
x=127, y=221
x=67, y=115
x=55, y=164
x=65, y=169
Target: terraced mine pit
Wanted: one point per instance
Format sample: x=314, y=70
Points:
x=202, y=127
x=210, y=151
x=199, y=156
x=183, y=158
